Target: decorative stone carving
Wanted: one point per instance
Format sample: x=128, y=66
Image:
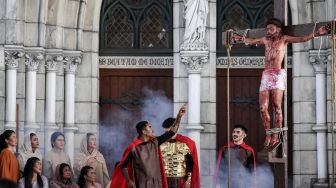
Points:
x=194, y=47
x=52, y=61
x=194, y=63
x=194, y=56
x=136, y=62
x=246, y=62
x=319, y=60
x=12, y=58
x=71, y=63
x=196, y=12
x=33, y=60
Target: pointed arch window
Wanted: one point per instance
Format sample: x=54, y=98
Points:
x=143, y=27
x=119, y=30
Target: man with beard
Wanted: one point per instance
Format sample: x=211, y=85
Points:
x=273, y=81
x=180, y=159
x=141, y=165
x=242, y=162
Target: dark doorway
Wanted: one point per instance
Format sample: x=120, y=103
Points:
x=244, y=109
x=122, y=98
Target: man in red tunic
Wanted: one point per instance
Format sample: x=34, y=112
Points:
x=142, y=165
x=180, y=160
x=242, y=162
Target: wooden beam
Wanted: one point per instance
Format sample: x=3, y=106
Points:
x=292, y=30
x=303, y=29
x=276, y=156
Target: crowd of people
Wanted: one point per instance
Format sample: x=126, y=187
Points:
x=28, y=169
x=150, y=158
x=166, y=161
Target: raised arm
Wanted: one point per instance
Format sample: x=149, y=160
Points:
x=296, y=39
x=247, y=40
x=180, y=114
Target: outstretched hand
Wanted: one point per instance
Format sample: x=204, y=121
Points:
x=182, y=110
x=236, y=37
x=323, y=30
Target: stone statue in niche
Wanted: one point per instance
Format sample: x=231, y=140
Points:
x=196, y=12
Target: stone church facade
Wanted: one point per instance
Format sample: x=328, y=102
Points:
x=51, y=59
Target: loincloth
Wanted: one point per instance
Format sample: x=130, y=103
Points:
x=273, y=79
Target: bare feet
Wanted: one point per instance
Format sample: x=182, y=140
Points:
x=273, y=143
x=267, y=141
x=275, y=140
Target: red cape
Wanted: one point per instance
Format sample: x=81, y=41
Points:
x=195, y=178
x=246, y=147
x=118, y=180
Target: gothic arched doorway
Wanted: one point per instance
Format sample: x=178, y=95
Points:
x=136, y=74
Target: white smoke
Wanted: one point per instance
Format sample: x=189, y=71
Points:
x=114, y=138
x=265, y=177
x=156, y=108
x=243, y=177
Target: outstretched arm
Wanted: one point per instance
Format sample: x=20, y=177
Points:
x=295, y=39
x=247, y=40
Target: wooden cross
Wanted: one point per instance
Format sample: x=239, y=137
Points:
x=280, y=164
x=292, y=30
x=280, y=13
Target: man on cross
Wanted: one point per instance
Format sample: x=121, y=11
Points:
x=273, y=81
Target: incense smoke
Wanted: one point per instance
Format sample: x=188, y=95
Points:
x=243, y=177
x=155, y=107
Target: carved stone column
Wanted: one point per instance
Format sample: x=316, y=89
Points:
x=71, y=61
x=320, y=66
x=194, y=56
x=54, y=58
x=12, y=57
x=33, y=57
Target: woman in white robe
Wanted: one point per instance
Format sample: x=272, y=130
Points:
x=30, y=148
x=55, y=156
x=89, y=155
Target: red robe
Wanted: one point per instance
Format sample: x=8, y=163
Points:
x=246, y=147
x=118, y=179
x=195, y=178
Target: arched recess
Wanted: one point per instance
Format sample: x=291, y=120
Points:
x=92, y=15
x=33, y=15
x=66, y=20
x=54, y=28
